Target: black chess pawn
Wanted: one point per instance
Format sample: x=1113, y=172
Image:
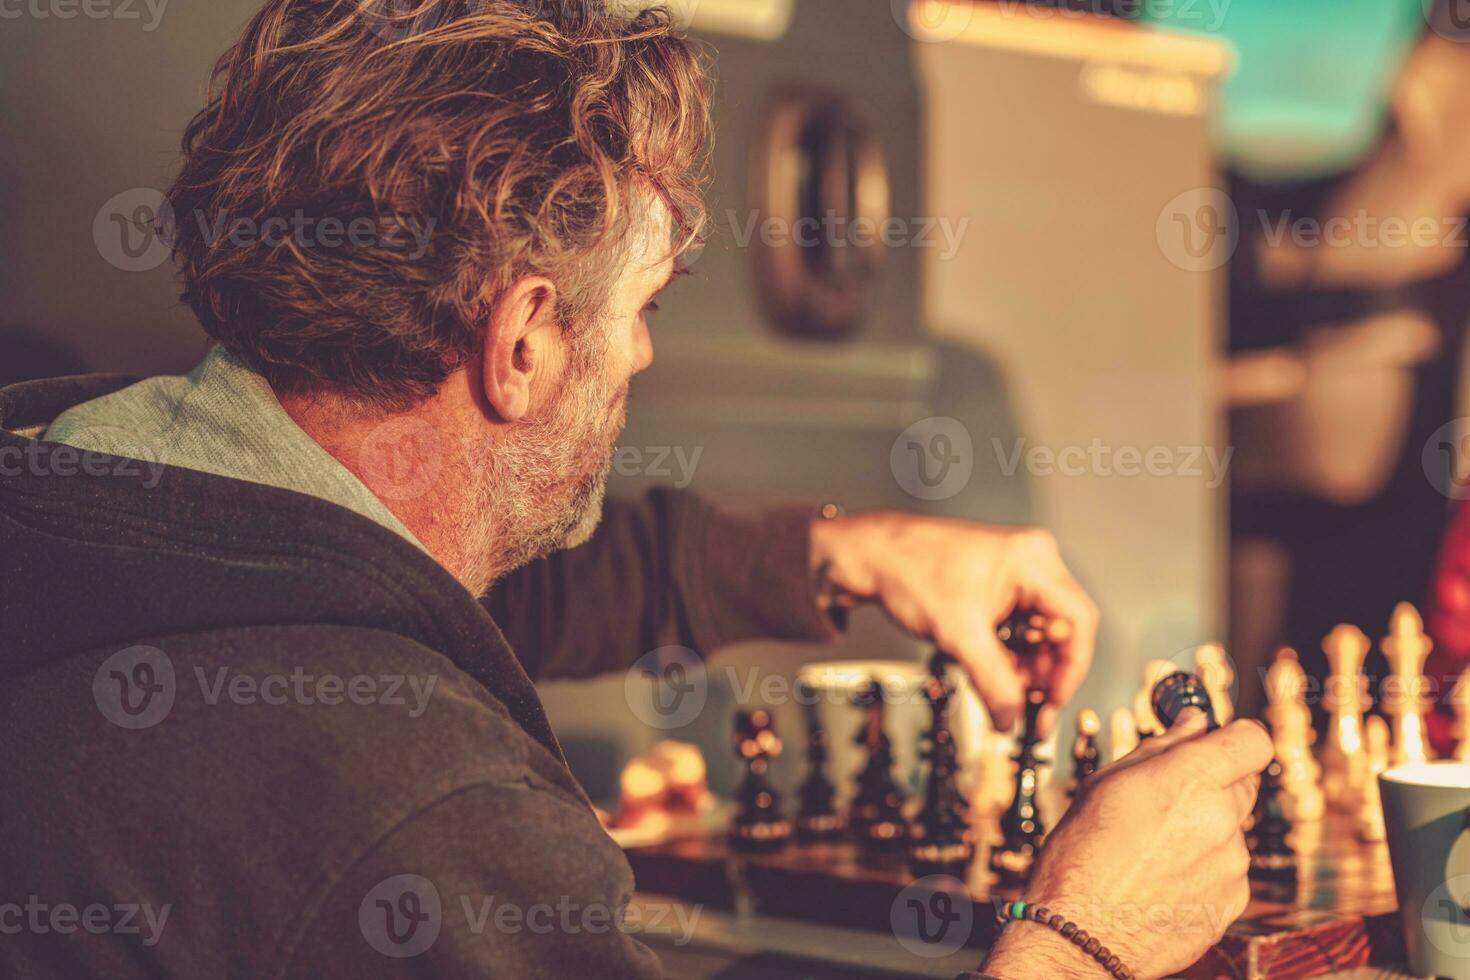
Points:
x=758, y=823
x=817, y=819
x=1021, y=828
x=1086, y=756
x=1026, y=632
x=941, y=841
x=1273, y=859
x=876, y=818
x=1177, y=691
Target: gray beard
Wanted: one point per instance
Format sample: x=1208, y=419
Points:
x=535, y=493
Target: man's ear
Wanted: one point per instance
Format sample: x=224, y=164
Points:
x=521, y=331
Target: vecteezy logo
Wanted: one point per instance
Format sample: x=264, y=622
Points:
x=932, y=20
x=1198, y=230
x=1448, y=18
x=401, y=458
x=667, y=688
x=1209, y=662
x=134, y=231
x=134, y=688
x=397, y=20
x=1446, y=459
x=933, y=459
x=1447, y=905
x=401, y=916
x=933, y=916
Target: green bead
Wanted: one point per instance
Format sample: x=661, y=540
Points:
x=1018, y=909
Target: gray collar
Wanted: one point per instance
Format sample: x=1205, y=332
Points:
x=221, y=418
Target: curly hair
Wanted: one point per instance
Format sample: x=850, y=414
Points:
x=426, y=154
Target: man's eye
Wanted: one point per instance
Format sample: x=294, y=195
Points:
x=651, y=308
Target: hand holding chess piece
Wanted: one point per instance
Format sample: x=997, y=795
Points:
x=1159, y=829
x=954, y=583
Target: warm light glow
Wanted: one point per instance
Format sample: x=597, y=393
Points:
x=1093, y=38
x=762, y=20
x=1441, y=775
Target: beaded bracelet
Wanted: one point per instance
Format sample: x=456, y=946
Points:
x=1070, y=931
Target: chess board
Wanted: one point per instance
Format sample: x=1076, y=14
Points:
x=1342, y=916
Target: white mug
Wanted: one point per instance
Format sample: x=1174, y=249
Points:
x=1426, y=807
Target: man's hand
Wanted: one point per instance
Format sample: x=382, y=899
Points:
x=1151, y=858
x=954, y=582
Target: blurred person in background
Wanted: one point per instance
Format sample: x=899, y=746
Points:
x=1349, y=295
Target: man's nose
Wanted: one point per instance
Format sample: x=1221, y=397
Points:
x=642, y=348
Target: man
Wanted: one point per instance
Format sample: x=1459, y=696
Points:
x=257, y=719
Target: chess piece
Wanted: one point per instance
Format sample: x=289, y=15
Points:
x=1027, y=632
x=1273, y=859
x=1344, y=764
x=990, y=766
x=1460, y=698
x=1177, y=691
x=1403, y=692
x=758, y=823
x=941, y=843
x=817, y=819
x=876, y=819
x=1212, y=667
x=1370, y=812
x=1149, y=724
x=1290, y=721
x=1122, y=734
x=1086, y=756
x=1021, y=828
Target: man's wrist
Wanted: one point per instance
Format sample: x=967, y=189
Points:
x=1028, y=951
x=840, y=547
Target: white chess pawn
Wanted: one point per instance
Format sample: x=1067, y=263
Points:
x=1403, y=694
x=1460, y=698
x=1143, y=707
x=1291, y=731
x=1122, y=734
x=1212, y=666
x=1370, y=812
x=1344, y=761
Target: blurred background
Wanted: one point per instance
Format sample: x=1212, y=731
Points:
x=1182, y=280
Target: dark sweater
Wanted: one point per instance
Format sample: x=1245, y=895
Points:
x=233, y=718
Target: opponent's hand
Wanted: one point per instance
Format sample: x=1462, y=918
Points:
x=1151, y=858
x=953, y=582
